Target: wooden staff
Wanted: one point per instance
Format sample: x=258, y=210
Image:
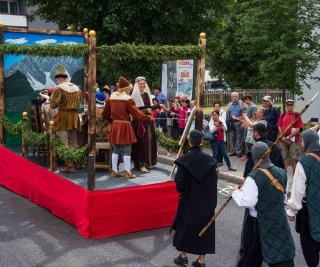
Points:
x=258, y=163
x=184, y=137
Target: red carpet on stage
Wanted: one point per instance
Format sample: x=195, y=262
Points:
x=95, y=214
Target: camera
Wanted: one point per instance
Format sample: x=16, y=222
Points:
x=314, y=119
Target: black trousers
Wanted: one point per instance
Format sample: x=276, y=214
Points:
x=310, y=248
x=250, y=253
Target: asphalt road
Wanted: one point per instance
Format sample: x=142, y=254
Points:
x=32, y=236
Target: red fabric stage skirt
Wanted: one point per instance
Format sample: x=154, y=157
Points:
x=95, y=214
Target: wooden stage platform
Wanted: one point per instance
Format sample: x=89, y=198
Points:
x=117, y=206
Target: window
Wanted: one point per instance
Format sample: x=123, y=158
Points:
x=13, y=8
x=4, y=9
x=9, y=7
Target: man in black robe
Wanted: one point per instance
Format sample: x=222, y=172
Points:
x=196, y=181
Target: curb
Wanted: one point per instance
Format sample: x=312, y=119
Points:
x=226, y=176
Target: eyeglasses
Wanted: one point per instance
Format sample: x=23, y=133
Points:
x=289, y=105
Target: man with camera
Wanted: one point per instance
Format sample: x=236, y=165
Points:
x=289, y=144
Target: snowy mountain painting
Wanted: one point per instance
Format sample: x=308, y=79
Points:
x=25, y=76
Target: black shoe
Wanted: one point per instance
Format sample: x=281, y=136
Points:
x=180, y=260
x=197, y=264
x=232, y=154
x=239, y=156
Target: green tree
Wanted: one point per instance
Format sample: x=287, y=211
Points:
x=267, y=43
x=140, y=21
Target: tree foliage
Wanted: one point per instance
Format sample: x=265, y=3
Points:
x=268, y=43
x=150, y=22
x=142, y=22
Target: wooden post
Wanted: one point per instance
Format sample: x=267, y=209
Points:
x=92, y=110
x=201, y=66
x=24, y=142
x=86, y=63
x=1, y=86
x=52, y=152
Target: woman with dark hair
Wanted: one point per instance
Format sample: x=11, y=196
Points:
x=219, y=127
x=175, y=118
x=183, y=115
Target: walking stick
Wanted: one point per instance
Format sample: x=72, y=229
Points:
x=258, y=163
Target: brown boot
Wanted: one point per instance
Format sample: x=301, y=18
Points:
x=67, y=169
x=129, y=175
x=116, y=174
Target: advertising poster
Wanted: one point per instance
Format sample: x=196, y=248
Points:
x=185, y=77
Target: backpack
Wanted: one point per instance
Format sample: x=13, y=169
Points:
x=296, y=114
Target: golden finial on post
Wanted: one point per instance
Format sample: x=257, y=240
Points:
x=1, y=23
x=92, y=33
x=203, y=35
x=85, y=30
x=51, y=123
x=24, y=114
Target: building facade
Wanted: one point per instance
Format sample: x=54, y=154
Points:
x=13, y=13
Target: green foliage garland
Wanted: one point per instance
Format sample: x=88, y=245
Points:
x=78, y=155
x=125, y=51
x=166, y=142
x=169, y=143
x=121, y=51
x=75, y=50
x=9, y=126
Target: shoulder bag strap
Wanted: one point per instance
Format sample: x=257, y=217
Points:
x=314, y=155
x=273, y=180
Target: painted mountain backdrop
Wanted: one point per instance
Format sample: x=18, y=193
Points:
x=34, y=73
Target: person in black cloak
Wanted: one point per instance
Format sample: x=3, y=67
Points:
x=196, y=181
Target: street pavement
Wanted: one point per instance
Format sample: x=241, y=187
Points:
x=32, y=236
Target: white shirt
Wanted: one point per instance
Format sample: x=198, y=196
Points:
x=223, y=114
x=247, y=196
x=298, y=190
x=213, y=128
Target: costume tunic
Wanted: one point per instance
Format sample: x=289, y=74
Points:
x=66, y=97
x=305, y=199
x=196, y=181
x=273, y=240
x=144, y=151
x=118, y=110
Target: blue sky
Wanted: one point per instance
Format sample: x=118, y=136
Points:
x=24, y=38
